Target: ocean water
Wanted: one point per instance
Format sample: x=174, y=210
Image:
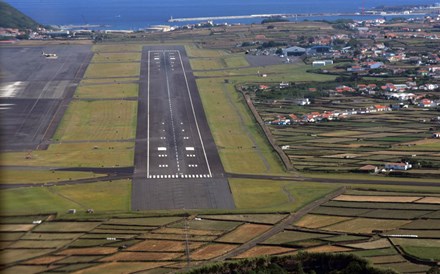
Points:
x=137, y=14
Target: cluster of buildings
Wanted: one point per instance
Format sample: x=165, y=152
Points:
x=314, y=117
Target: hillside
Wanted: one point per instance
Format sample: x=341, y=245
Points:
x=10, y=17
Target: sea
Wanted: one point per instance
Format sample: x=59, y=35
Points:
x=140, y=14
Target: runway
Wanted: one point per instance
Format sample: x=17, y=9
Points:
x=176, y=161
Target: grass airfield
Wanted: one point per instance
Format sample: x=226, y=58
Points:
x=98, y=131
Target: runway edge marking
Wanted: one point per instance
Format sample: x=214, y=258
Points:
x=148, y=118
x=194, y=113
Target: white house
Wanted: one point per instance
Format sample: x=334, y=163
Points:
x=398, y=166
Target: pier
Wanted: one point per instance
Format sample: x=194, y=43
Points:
x=292, y=15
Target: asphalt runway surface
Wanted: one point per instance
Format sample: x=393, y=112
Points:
x=176, y=161
x=35, y=92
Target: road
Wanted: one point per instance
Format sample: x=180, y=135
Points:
x=176, y=161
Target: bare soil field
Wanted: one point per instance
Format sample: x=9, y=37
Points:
x=244, y=233
x=264, y=251
x=317, y=221
x=89, y=251
x=142, y=256
x=163, y=246
x=211, y=251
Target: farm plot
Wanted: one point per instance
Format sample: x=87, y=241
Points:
x=142, y=256
x=252, y=218
x=382, y=199
x=358, y=140
x=244, y=233
x=364, y=225
x=317, y=221
x=66, y=227
x=121, y=267
x=211, y=251
x=163, y=246
x=289, y=237
x=264, y=251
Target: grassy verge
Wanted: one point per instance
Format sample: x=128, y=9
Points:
x=98, y=120
x=266, y=195
x=23, y=176
x=104, y=70
x=116, y=57
x=242, y=147
x=102, y=196
x=107, y=91
x=107, y=154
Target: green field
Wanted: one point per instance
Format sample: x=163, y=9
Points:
x=241, y=146
x=102, y=57
x=84, y=154
x=23, y=176
x=99, y=196
x=105, y=91
x=98, y=120
x=109, y=70
x=266, y=195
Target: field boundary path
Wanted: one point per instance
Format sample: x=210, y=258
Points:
x=268, y=134
x=293, y=217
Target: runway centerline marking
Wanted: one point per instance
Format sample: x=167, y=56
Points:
x=172, y=118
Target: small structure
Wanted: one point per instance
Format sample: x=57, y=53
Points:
x=322, y=63
x=294, y=51
x=71, y=211
x=398, y=166
x=436, y=135
x=369, y=169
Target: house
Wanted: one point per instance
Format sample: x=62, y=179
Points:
x=436, y=135
x=302, y=102
x=321, y=63
x=398, y=166
x=426, y=103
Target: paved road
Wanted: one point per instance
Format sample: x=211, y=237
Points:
x=280, y=226
x=176, y=161
x=333, y=181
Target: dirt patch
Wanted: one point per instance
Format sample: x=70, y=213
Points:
x=429, y=200
x=364, y=225
x=316, y=221
x=264, y=251
x=89, y=251
x=163, y=246
x=387, y=259
x=244, y=233
x=381, y=243
x=45, y=260
x=182, y=231
x=142, y=256
x=328, y=248
x=120, y=268
x=178, y=237
x=15, y=227
x=211, y=251
x=382, y=199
